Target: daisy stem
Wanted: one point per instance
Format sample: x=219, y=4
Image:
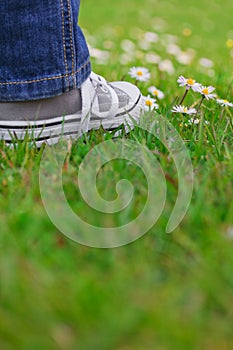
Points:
x=221, y=114
x=185, y=94
x=199, y=106
x=201, y=133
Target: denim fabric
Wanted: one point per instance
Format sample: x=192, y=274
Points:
x=43, y=52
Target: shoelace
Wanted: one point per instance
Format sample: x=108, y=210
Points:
x=98, y=81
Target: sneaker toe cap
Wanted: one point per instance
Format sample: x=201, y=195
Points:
x=129, y=89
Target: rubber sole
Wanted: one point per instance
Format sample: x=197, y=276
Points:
x=52, y=130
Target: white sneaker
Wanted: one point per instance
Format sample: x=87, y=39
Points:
x=103, y=103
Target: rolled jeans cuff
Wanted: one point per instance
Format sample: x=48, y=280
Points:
x=43, y=52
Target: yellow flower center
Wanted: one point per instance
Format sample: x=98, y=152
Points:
x=205, y=91
x=225, y=101
x=229, y=43
x=190, y=81
x=187, y=32
x=149, y=103
x=139, y=73
x=185, y=110
x=156, y=92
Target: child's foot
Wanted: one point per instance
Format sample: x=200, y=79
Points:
x=96, y=103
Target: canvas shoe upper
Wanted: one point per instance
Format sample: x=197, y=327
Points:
x=103, y=103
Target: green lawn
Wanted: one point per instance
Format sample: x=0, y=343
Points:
x=164, y=291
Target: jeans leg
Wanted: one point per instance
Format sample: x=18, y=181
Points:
x=43, y=52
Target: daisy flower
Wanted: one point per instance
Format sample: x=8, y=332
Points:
x=151, y=37
x=194, y=121
x=184, y=110
x=127, y=45
x=206, y=91
x=149, y=103
x=167, y=66
x=205, y=62
x=173, y=49
x=156, y=92
x=224, y=103
x=152, y=57
x=139, y=73
x=187, y=32
x=184, y=58
x=189, y=83
x=229, y=43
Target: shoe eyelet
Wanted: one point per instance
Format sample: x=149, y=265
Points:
x=104, y=88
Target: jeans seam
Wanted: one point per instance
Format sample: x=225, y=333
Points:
x=63, y=35
x=48, y=78
x=71, y=36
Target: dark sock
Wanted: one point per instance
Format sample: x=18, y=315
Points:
x=58, y=106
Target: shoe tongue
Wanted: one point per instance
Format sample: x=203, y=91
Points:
x=99, y=100
x=104, y=99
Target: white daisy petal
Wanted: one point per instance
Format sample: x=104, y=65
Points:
x=151, y=37
x=156, y=92
x=195, y=121
x=167, y=66
x=183, y=110
x=140, y=73
x=189, y=83
x=181, y=81
x=205, y=62
x=224, y=103
x=206, y=91
x=149, y=103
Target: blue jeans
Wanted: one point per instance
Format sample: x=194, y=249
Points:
x=43, y=52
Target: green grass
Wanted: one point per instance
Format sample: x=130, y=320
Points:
x=162, y=291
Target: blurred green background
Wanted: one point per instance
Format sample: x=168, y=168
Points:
x=210, y=22
x=163, y=291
